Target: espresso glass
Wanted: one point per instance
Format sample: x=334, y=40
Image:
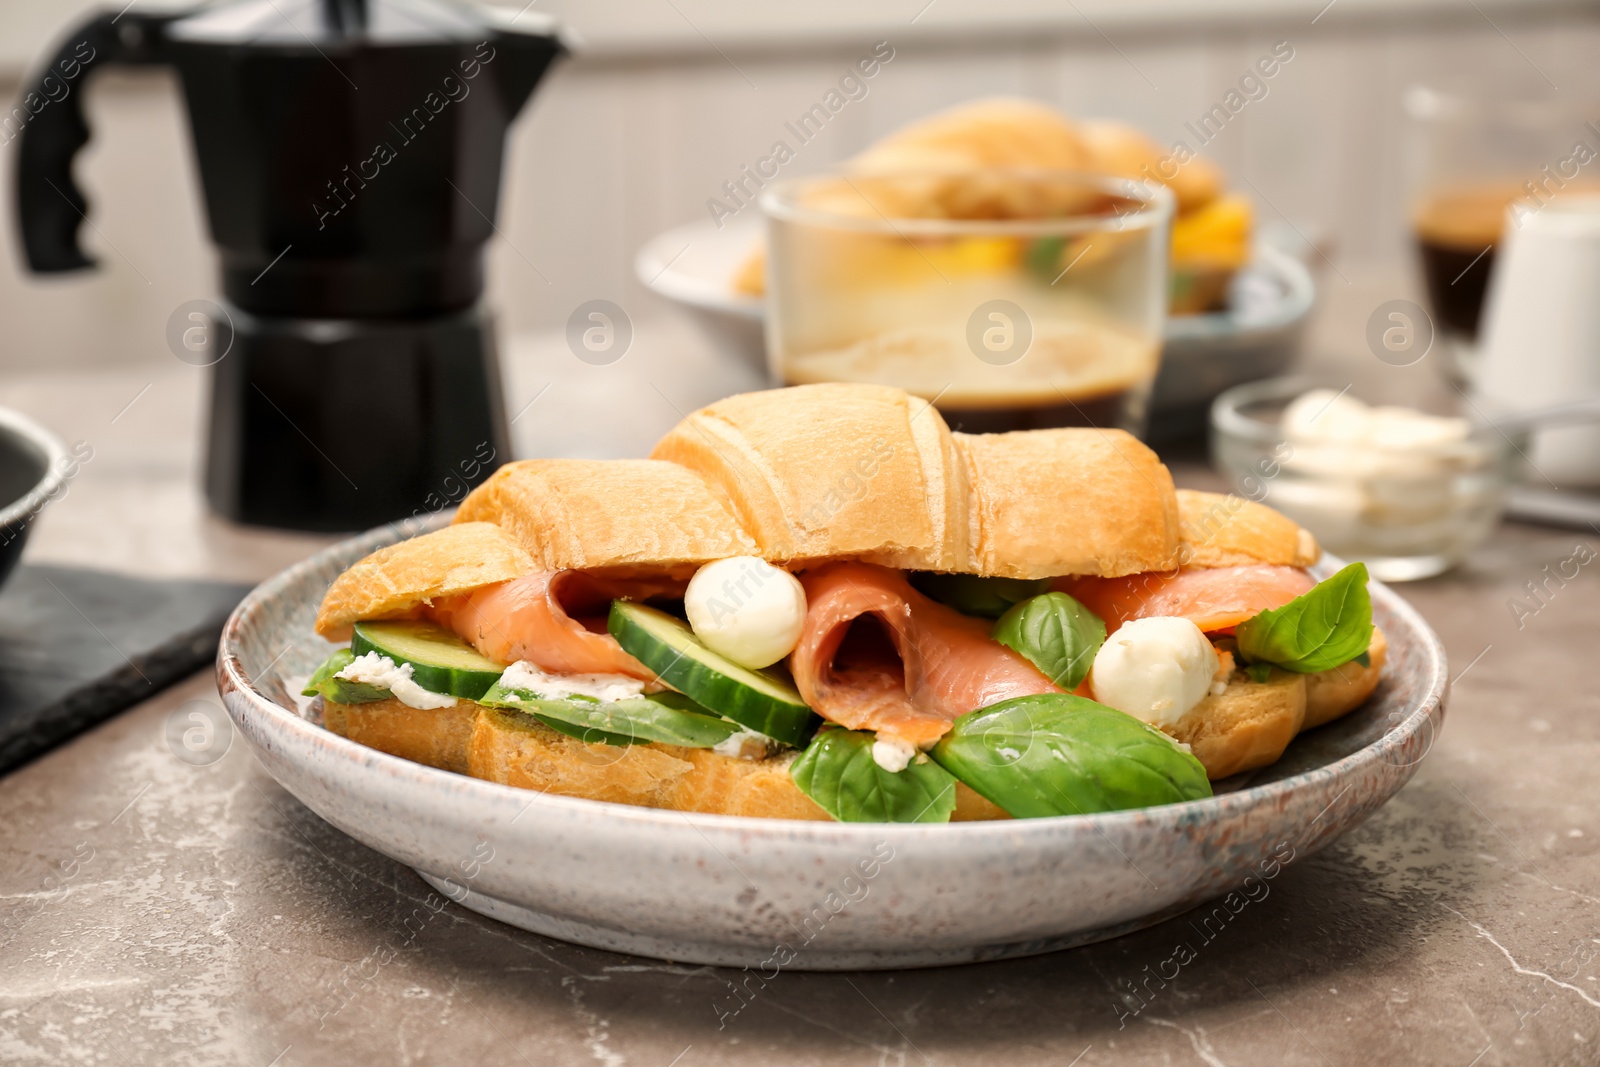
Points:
x=1477, y=165
x=1011, y=299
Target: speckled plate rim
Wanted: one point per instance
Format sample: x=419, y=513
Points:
x=1403, y=745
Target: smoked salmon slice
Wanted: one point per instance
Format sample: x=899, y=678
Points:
x=875, y=654
x=555, y=620
x=1213, y=598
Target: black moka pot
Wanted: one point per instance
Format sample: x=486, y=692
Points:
x=350, y=152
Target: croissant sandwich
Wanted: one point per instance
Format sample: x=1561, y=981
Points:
x=819, y=602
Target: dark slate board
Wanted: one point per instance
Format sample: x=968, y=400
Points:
x=77, y=646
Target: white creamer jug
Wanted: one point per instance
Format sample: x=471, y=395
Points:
x=1541, y=340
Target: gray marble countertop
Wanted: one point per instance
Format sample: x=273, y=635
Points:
x=156, y=912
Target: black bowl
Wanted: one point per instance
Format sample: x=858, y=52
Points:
x=34, y=469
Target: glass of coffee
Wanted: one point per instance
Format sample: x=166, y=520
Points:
x=1011, y=299
x=1479, y=165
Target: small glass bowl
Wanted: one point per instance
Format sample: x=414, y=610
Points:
x=1407, y=513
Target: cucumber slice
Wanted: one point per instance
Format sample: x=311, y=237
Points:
x=440, y=661
x=670, y=718
x=755, y=699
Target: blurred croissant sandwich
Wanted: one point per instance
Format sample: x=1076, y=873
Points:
x=1210, y=232
x=820, y=602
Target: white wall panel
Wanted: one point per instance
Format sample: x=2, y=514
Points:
x=613, y=150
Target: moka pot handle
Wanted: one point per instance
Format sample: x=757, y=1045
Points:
x=48, y=123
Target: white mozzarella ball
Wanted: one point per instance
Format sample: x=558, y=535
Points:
x=746, y=609
x=1326, y=417
x=1154, y=669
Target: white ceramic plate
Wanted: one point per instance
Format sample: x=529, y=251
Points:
x=813, y=896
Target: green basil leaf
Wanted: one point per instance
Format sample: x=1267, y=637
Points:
x=1258, y=672
x=1056, y=634
x=1328, y=626
x=330, y=667
x=668, y=718
x=1043, y=257
x=586, y=735
x=1059, y=754
x=969, y=594
x=323, y=683
x=838, y=772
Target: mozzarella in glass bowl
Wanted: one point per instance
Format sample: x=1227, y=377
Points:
x=1406, y=492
